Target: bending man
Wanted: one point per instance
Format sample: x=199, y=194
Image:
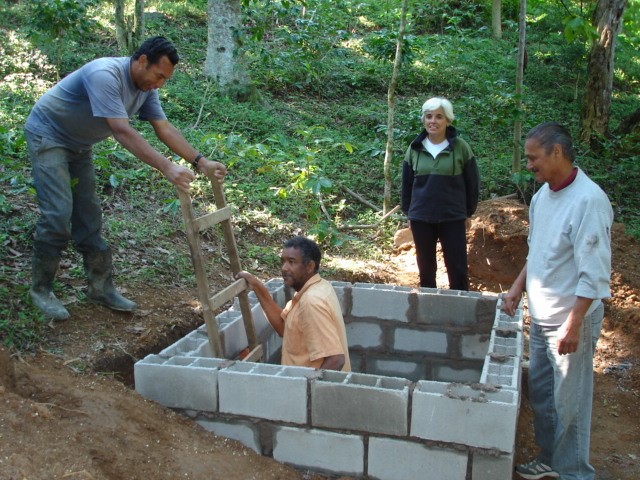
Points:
x=89, y=105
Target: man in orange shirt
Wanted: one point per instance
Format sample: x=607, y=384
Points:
x=311, y=324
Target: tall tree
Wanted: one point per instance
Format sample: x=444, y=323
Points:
x=224, y=62
x=129, y=27
x=391, y=105
x=496, y=19
x=596, y=106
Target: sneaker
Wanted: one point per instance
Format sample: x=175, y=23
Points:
x=535, y=470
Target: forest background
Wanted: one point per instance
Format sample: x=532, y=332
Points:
x=306, y=153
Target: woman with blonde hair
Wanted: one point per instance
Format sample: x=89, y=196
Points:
x=440, y=189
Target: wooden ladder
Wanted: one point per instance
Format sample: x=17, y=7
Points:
x=210, y=303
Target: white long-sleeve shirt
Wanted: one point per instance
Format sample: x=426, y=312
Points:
x=569, y=249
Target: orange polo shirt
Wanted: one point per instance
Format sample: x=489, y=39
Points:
x=313, y=326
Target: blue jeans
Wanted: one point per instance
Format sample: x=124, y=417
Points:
x=561, y=394
x=66, y=188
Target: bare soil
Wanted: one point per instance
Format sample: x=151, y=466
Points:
x=70, y=411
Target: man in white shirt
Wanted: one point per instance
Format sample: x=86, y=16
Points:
x=566, y=276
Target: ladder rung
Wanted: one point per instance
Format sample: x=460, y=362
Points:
x=254, y=355
x=213, y=218
x=228, y=293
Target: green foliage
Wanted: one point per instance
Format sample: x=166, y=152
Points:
x=322, y=68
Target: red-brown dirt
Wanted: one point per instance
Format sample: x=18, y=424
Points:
x=70, y=412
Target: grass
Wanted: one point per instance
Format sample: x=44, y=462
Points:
x=322, y=76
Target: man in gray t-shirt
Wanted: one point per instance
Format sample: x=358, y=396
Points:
x=89, y=105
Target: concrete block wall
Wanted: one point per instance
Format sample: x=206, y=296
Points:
x=439, y=391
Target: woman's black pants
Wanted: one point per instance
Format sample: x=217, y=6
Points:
x=453, y=239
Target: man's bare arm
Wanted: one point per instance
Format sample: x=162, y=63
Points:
x=271, y=309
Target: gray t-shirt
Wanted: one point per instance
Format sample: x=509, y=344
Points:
x=74, y=111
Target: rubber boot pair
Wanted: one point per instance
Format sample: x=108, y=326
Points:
x=99, y=269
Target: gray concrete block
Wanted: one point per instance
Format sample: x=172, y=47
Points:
x=448, y=307
x=484, y=419
x=179, y=382
x=411, y=370
x=490, y=467
x=502, y=371
x=364, y=334
x=360, y=402
x=378, y=303
x=391, y=459
x=233, y=337
x=264, y=391
x=245, y=432
x=410, y=340
x=461, y=374
x=474, y=346
x=320, y=450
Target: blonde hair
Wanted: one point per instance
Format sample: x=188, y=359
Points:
x=436, y=103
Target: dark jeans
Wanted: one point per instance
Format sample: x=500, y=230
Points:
x=66, y=188
x=453, y=239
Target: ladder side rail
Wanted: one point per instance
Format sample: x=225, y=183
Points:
x=193, y=237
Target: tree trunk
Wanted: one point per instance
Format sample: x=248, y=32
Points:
x=496, y=19
x=224, y=61
x=517, y=128
x=596, y=106
x=129, y=28
x=391, y=104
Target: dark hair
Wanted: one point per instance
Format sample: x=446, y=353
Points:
x=552, y=133
x=308, y=249
x=155, y=48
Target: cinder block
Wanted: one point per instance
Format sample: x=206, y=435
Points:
x=411, y=370
x=452, y=307
x=360, y=402
x=408, y=340
x=502, y=371
x=320, y=450
x=490, y=467
x=474, y=346
x=243, y=431
x=187, y=345
x=380, y=304
x=365, y=335
x=484, y=419
x=264, y=391
x=391, y=459
x=462, y=374
x=179, y=382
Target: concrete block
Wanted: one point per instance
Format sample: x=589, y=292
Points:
x=474, y=346
x=502, y=371
x=380, y=304
x=264, y=391
x=461, y=374
x=484, y=419
x=453, y=307
x=365, y=335
x=391, y=459
x=179, y=382
x=360, y=402
x=411, y=370
x=320, y=450
x=409, y=340
x=490, y=467
x=187, y=345
x=245, y=432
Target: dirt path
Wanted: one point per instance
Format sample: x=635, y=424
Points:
x=61, y=418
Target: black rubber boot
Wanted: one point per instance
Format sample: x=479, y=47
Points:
x=43, y=273
x=99, y=269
